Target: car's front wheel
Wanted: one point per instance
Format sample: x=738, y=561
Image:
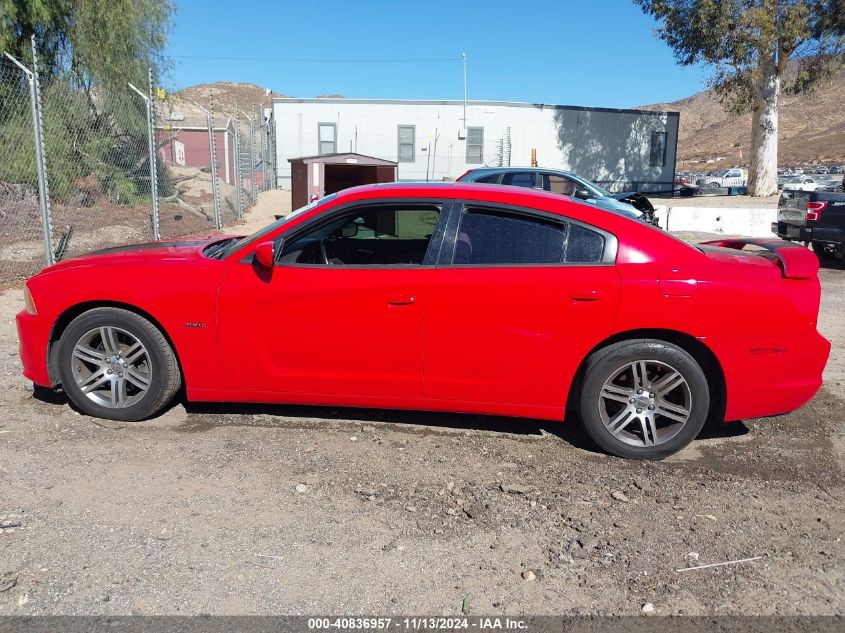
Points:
x=115, y=364
x=643, y=399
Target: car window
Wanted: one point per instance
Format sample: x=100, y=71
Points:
x=560, y=184
x=493, y=237
x=492, y=178
x=519, y=179
x=584, y=246
x=367, y=236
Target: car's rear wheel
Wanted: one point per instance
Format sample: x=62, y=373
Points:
x=643, y=399
x=115, y=364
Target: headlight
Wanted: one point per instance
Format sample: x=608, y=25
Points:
x=30, y=304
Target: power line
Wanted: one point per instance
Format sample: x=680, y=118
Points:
x=314, y=60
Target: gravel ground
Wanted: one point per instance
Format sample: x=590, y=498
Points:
x=236, y=510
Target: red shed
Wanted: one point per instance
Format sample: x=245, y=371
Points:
x=328, y=173
x=185, y=142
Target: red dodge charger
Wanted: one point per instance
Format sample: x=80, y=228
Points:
x=462, y=297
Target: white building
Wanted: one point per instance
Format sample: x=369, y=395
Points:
x=431, y=140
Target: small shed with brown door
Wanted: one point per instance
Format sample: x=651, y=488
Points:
x=328, y=173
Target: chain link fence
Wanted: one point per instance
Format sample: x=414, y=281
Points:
x=86, y=167
x=22, y=249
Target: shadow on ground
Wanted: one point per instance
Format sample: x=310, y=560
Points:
x=205, y=416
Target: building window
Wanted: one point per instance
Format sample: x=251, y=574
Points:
x=657, y=154
x=407, y=140
x=327, y=136
x=475, y=145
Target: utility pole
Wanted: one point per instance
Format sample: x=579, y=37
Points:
x=464, y=56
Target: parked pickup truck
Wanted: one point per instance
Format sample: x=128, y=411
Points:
x=813, y=217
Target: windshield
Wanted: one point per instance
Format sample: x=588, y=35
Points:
x=235, y=245
x=596, y=188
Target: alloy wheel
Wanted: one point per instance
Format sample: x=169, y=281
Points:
x=111, y=367
x=645, y=403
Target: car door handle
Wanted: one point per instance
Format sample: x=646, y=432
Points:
x=587, y=295
x=400, y=300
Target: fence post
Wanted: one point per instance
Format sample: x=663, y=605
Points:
x=262, y=131
x=151, y=159
x=40, y=158
x=238, y=180
x=151, y=115
x=273, y=154
x=212, y=151
x=252, y=154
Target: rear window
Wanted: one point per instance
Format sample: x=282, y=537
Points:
x=491, y=237
x=497, y=237
x=584, y=246
x=492, y=178
x=520, y=179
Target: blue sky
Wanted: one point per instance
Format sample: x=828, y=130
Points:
x=597, y=53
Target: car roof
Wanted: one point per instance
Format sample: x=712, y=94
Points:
x=483, y=192
x=503, y=170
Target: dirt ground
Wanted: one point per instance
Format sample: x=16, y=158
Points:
x=260, y=509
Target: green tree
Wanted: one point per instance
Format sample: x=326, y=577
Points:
x=749, y=44
x=102, y=41
x=95, y=129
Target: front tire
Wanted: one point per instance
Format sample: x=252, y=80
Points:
x=115, y=364
x=643, y=398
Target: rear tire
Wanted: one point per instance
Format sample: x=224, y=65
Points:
x=115, y=364
x=643, y=398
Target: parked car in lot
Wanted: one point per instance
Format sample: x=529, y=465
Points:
x=813, y=217
x=832, y=184
x=454, y=297
x=735, y=177
x=632, y=204
x=801, y=183
x=835, y=170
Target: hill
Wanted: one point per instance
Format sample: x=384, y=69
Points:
x=812, y=128
x=229, y=97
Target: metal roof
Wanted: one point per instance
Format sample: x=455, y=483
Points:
x=459, y=102
x=343, y=158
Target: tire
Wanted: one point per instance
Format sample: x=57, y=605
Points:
x=639, y=430
x=115, y=364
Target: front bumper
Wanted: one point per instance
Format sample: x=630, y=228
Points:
x=33, y=338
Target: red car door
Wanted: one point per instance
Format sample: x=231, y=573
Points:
x=510, y=319
x=339, y=315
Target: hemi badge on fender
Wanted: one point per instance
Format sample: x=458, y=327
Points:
x=195, y=325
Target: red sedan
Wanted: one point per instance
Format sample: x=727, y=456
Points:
x=467, y=298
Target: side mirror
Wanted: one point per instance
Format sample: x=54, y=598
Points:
x=350, y=229
x=582, y=194
x=265, y=254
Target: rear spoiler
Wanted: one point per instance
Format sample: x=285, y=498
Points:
x=796, y=261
